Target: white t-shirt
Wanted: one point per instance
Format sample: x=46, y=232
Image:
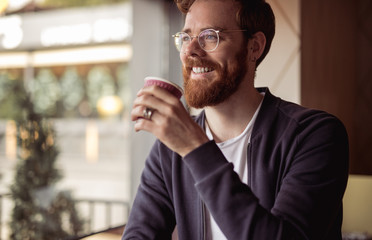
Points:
x=235, y=151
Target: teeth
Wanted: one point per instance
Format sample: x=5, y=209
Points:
x=201, y=69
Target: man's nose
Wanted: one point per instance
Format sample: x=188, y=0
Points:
x=194, y=47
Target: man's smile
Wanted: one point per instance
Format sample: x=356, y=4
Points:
x=202, y=69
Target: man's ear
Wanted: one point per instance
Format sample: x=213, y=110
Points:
x=256, y=46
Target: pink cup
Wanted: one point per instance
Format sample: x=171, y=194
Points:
x=166, y=84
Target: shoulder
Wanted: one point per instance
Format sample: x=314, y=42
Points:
x=287, y=117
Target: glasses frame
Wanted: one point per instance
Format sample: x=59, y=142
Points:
x=198, y=36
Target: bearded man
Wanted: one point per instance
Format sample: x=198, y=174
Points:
x=250, y=165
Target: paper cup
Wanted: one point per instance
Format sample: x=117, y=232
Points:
x=166, y=84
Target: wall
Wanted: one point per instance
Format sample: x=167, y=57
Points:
x=336, y=69
x=336, y=76
x=280, y=70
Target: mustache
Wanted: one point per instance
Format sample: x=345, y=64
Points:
x=197, y=62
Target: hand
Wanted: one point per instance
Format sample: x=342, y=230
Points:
x=170, y=122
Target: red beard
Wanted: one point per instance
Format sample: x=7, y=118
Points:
x=206, y=92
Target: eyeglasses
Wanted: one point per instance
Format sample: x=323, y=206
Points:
x=208, y=39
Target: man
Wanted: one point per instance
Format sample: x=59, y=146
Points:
x=250, y=166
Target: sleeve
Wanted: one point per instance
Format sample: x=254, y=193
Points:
x=152, y=214
x=310, y=192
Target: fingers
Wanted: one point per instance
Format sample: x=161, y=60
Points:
x=143, y=119
x=141, y=111
x=167, y=110
x=170, y=122
x=143, y=124
x=159, y=93
x=155, y=98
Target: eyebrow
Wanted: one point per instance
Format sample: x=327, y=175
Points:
x=188, y=30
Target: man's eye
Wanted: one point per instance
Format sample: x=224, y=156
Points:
x=185, y=38
x=210, y=37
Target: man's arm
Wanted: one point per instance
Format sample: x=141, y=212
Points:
x=152, y=215
x=310, y=195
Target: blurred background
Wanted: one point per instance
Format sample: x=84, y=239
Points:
x=70, y=69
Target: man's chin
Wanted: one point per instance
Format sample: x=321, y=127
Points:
x=195, y=105
x=194, y=97
x=200, y=97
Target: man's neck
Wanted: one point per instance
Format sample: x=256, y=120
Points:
x=229, y=119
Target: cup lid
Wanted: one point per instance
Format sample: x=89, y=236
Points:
x=164, y=80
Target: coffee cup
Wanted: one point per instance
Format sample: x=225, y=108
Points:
x=166, y=84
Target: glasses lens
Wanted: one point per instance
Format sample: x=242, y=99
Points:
x=180, y=39
x=208, y=39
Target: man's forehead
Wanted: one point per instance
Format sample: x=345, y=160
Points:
x=227, y=5
x=219, y=14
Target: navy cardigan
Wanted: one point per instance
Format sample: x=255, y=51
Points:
x=297, y=175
